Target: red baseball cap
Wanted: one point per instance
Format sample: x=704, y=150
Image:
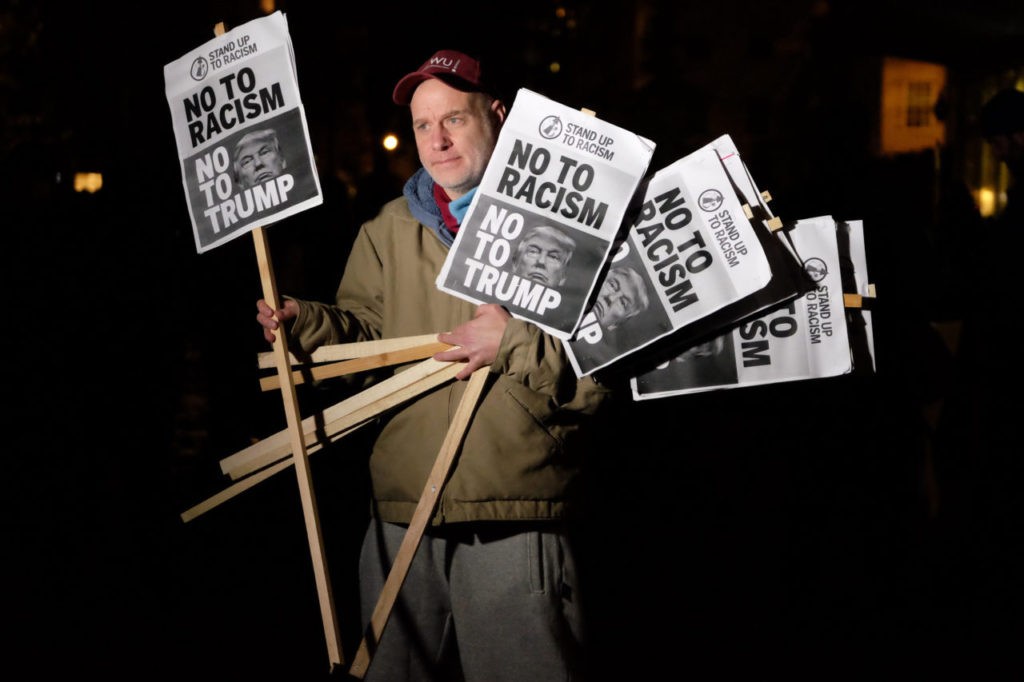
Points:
x=457, y=69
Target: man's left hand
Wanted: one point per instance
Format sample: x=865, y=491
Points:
x=476, y=342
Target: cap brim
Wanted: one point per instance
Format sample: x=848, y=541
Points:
x=403, y=91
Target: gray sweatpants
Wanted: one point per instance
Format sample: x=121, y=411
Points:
x=483, y=603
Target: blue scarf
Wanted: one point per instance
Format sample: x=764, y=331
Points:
x=419, y=192
x=459, y=206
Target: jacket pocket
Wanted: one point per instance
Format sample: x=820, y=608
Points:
x=535, y=561
x=536, y=405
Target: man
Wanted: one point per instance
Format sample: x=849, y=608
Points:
x=492, y=592
x=543, y=255
x=623, y=294
x=258, y=158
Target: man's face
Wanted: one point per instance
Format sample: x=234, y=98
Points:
x=258, y=161
x=455, y=134
x=543, y=259
x=621, y=297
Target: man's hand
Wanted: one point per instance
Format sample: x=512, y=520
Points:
x=271, y=319
x=476, y=341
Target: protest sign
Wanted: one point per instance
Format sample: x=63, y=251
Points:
x=542, y=222
x=697, y=248
x=241, y=134
x=246, y=161
x=804, y=338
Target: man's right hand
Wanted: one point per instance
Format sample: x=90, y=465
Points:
x=271, y=319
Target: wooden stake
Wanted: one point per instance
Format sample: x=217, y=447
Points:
x=364, y=405
x=363, y=364
x=857, y=300
x=853, y=301
x=263, y=464
x=323, y=583
x=302, y=472
x=347, y=351
x=223, y=496
x=420, y=518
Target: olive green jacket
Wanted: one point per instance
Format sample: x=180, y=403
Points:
x=522, y=452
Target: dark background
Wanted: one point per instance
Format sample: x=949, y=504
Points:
x=784, y=532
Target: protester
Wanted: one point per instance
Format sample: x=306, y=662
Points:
x=492, y=593
x=543, y=254
x=258, y=158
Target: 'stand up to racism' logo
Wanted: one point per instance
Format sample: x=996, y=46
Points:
x=710, y=199
x=200, y=67
x=815, y=269
x=550, y=127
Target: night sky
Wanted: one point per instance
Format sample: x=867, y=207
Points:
x=782, y=531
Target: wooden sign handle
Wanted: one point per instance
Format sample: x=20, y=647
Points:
x=300, y=458
x=291, y=408
x=420, y=518
x=343, y=367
